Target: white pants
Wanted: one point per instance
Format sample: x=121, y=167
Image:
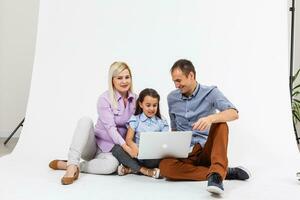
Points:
x=84, y=146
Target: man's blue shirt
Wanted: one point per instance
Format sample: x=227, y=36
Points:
x=185, y=111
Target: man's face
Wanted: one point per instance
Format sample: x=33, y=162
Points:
x=184, y=83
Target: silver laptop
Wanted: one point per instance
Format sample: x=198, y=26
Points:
x=157, y=145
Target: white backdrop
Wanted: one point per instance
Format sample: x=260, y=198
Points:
x=240, y=46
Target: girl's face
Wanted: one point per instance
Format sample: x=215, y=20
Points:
x=149, y=106
x=122, y=82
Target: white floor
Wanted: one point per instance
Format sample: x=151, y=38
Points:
x=27, y=176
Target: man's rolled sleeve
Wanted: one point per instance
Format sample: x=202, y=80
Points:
x=219, y=101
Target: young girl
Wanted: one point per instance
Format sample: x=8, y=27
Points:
x=147, y=117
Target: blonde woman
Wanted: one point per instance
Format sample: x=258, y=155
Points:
x=94, y=144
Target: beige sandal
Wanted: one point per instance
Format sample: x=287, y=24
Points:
x=122, y=170
x=154, y=173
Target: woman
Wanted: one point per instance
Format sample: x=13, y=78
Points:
x=115, y=107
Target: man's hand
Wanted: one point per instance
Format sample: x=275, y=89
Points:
x=225, y=116
x=203, y=123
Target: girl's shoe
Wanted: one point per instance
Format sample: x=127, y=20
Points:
x=71, y=179
x=122, y=170
x=54, y=164
x=154, y=173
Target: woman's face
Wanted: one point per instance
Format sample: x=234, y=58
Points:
x=122, y=82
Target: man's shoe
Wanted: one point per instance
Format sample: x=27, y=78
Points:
x=237, y=173
x=215, y=184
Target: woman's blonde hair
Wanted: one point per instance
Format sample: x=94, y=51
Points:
x=115, y=69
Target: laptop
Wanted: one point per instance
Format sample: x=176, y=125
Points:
x=157, y=145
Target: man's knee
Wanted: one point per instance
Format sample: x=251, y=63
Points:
x=220, y=127
x=224, y=125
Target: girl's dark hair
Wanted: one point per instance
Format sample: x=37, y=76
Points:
x=147, y=92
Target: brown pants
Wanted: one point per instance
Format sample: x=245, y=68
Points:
x=201, y=162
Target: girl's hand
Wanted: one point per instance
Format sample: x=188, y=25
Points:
x=135, y=150
x=129, y=150
x=131, y=153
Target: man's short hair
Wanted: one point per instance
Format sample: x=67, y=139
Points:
x=185, y=66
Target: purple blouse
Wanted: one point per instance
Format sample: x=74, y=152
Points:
x=111, y=127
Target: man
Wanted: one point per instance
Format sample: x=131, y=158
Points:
x=193, y=107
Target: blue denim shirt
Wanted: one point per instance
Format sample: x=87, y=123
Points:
x=184, y=111
x=142, y=123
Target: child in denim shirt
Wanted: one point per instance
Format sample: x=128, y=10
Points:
x=147, y=118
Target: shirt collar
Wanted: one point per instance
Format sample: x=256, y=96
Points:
x=130, y=95
x=144, y=118
x=193, y=94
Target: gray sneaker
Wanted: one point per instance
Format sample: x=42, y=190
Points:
x=237, y=173
x=214, y=184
